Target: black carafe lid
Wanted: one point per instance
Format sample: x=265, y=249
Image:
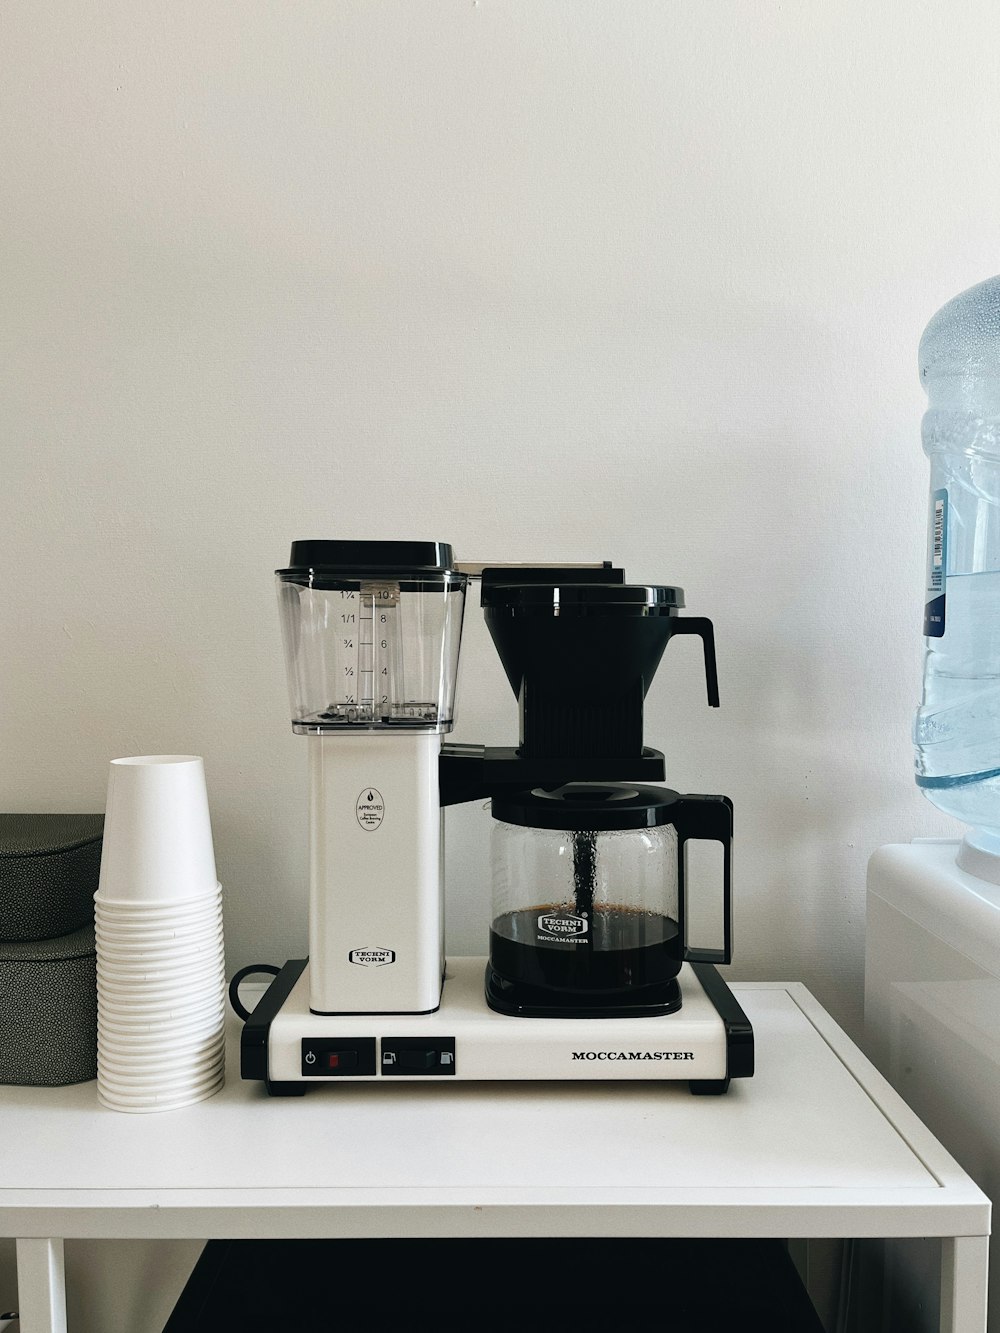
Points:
x=596, y=807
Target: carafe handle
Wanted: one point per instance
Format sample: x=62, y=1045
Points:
x=703, y=628
x=708, y=819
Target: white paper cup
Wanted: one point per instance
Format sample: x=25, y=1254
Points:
x=203, y=1010
x=126, y=1085
x=163, y=1102
x=137, y=951
x=164, y=962
x=207, y=935
x=167, y=1037
x=158, y=932
x=156, y=1008
x=156, y=1005
x=130, y=1008
x=111, y=1105
x=173, y=966
x=127, y=1099
x=128, y=935
x=208, y=931
x=163, y=911
x=159, y=1052
x=157, y=1092
x=144, y=1039
x=194, y=964
x=125, y=1006
x=181, y=914
x=163, y=1043
x=116, y=953
x=125, y=950
x=157, y=843
x=161, y=1057
x=144, y=991
x=126, y=1062
x=164, y=1057
x=131, y=999
x=156, y=912
x=144, y=998
x=183, y=963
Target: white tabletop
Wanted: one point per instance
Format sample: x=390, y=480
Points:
x=815, y=1144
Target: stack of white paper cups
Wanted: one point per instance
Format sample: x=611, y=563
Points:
x=160, y=964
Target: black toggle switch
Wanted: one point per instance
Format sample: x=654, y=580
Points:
x=418, y=1059
x=418, y=1055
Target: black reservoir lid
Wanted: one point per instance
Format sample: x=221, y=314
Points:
x=597, y=806
x=418, y=565
x=400, y=556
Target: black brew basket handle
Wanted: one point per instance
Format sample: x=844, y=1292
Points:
x=707, y=819
x=703, y=628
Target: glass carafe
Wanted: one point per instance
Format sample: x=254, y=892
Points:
x=589, y=897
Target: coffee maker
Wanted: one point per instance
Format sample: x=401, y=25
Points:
x=590, y=973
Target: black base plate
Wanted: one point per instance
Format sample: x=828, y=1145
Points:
x=739, y=1033
x=520, y=1001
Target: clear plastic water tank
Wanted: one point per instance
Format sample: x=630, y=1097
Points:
x=371, y=632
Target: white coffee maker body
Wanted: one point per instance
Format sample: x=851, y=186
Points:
x=371, y=634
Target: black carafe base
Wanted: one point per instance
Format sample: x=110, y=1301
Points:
x=520, y=1000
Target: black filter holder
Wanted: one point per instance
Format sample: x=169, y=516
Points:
x=580, y=658
x=580, y=648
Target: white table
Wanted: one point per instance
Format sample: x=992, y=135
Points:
x=816, y=1144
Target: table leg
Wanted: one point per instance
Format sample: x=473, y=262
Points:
x=41, y=1286
x=963, y=1284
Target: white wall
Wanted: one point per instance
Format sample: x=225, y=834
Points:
x=553, y=280
x=549, y=279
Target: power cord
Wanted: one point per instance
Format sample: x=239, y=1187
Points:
x=266, y=969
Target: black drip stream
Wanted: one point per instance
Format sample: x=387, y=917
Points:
x=584, y=876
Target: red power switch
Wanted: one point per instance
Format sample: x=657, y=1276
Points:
x=337, y=1057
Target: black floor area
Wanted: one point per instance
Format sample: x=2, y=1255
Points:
x=485, y=1286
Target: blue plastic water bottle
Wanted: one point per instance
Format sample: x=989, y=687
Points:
x=956, y=732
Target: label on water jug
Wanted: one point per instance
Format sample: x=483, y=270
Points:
x=937, y=555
